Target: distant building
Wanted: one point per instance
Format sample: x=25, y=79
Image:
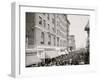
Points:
x=46, y=31
x=88, y=31
x=87, y=55
x=72, y=45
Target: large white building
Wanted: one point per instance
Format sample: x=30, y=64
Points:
x=45, y=33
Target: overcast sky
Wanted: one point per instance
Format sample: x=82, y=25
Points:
x=77, y=25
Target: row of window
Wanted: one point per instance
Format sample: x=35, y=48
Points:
x=62, y=42
x=61, y=34
x=30, y=40
x=61, y=26
x=43, y=38
x=53, y=29
x=40, y=20
x=43, y=23
x=46, y=26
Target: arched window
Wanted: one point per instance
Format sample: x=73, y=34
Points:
x=48, y=16
x=49, y=39
x=40, y=20
x=42, y=37
x=57, y=41
x=54, y=41
x=44, y=23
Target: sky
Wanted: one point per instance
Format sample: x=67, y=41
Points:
x=77, y=25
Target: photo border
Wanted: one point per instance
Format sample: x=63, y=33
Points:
x=16, y=64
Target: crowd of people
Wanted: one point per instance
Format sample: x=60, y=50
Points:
x=73, y=58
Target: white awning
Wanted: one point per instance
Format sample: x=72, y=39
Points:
x=51, y=54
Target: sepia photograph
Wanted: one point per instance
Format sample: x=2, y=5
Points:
x=53, y=39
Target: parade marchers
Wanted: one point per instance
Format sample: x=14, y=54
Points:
x=78, y=57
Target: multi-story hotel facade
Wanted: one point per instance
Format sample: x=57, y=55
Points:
x=46, y=31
